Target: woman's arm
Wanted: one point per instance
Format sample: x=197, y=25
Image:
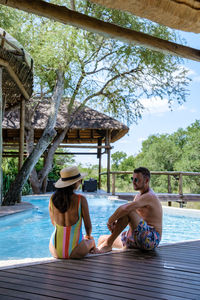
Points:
x=86, y=216
x=51, y=212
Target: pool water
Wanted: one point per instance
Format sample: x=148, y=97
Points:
x=27, y=234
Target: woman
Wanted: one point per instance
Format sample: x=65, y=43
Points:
x=66, y=209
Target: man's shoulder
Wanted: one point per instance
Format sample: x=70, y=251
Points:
x=152, y=194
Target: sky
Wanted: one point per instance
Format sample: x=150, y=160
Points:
x=157, y=117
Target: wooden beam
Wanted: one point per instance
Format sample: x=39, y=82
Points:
x=67, y=16
x=15, y=78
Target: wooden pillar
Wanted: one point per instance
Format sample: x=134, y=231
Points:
x=99, y=157
x=1, y=105
x=169, y=189
x=108, y=138
x=113, y=183
x=180, y=189
x=21, y=136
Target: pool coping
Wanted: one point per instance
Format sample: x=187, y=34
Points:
x=13, y=209
x=19, y=263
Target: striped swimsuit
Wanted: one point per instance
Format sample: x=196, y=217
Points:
x=66, y=238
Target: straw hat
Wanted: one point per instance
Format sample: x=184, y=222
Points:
x=68, y=176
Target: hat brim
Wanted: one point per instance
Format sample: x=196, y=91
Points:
x=61, y=184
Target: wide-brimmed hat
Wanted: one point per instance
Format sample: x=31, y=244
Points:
x=69, y=176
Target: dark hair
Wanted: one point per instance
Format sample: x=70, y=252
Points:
x=145, y=172
x=62, y=198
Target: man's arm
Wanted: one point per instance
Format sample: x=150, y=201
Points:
x=125, y=209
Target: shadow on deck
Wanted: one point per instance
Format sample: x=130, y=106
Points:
x=170, y=272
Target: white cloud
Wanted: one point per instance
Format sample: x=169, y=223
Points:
x=194, y=75
x=156, y=105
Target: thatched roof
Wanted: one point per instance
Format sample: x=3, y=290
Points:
x=182, y=15
x=17, y=76
x=88, y=126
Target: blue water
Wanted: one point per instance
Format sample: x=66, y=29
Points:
x=26, y=235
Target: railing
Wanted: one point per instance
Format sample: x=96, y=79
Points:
x=176, y=174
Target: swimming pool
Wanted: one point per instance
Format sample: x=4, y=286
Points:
x=27, y=234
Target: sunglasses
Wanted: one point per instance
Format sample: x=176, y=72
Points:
x=134, y=179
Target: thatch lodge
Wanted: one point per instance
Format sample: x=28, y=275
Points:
x=89, y=127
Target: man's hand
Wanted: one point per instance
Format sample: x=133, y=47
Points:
x=111, y=226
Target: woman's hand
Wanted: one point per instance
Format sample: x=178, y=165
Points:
x=88, y=237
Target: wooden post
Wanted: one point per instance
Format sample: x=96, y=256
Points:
x=169, y=189
x=21, y=137
x=108, y=135
x=1, y=105
x=113, y=183
x=180, y=188
x=180, y=185
x=99, y=157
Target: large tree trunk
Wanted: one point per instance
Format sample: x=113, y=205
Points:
x=13, y=195
x=43, y=173
x=49, y=158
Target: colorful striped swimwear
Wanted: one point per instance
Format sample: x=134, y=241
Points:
x=143, y=237
x=66, y=238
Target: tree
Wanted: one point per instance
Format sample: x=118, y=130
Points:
x=108, y=74
x=117, y=158
x=13, y=195
x=190, y=160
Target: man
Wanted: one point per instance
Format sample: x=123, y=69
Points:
x=143, y=215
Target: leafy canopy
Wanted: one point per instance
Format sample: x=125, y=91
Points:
x=108, y=74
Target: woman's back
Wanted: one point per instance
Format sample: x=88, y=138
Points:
x=71, y=216
x=66, y=210
x=68, y=228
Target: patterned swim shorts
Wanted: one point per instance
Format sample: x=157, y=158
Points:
x=143, y=237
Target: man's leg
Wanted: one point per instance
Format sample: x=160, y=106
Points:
x=106, y=243
x=134, y=220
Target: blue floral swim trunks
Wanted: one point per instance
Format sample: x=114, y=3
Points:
x=143, y=237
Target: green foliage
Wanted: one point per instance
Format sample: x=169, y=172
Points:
x=10, y=169
x=176, y=152
x=117, y=158
x=108, y=74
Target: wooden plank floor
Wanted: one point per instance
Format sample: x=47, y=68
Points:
x=170, y=272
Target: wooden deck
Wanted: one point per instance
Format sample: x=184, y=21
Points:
x=170, y=272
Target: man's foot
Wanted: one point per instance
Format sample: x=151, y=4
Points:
x=95, y=251
x=104, y=247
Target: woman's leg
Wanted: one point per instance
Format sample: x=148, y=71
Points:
x=82, y=249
